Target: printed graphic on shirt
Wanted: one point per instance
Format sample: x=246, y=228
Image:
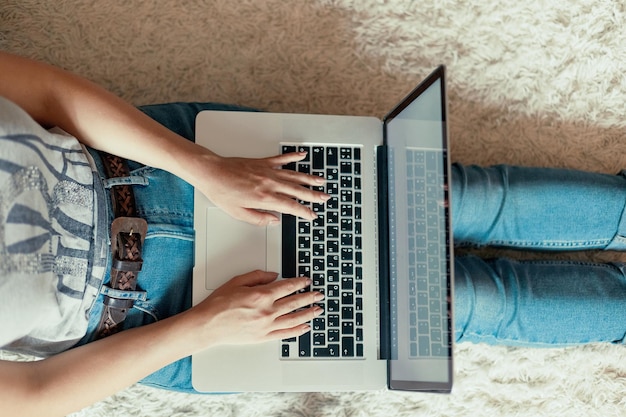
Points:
x=46, y=212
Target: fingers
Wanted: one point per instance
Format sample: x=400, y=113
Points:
x=285, y=287
x=297, y=301
x=255, y=278
x=287, y=158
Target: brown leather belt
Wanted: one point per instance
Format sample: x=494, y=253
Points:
x=128, y=233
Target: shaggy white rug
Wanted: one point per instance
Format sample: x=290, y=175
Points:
x=539, y=82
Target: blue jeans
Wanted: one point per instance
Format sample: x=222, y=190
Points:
x=538, y=303
x=502, y=301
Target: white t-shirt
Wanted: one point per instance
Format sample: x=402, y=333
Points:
x=51, y=264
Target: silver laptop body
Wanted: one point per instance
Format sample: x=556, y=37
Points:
x=395, y=267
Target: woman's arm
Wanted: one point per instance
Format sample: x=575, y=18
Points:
x=244, y=188
x=249, y=308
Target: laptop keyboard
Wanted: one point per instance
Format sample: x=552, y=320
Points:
x=329, y=251
x=429, y=288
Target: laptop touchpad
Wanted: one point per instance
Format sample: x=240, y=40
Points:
x=233, y=248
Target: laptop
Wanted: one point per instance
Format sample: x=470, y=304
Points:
x=381, y=250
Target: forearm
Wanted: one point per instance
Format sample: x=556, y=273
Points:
x=96, y=117
x=79, y=377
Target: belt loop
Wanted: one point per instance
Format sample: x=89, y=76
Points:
x=128, y=233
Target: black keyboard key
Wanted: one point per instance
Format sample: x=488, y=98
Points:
x=359, y=350
x=359, y=319
x=332, y=351
x=304, y=242
x=304, y=345
x=306, y=149
x=333, y=335
x=333, y=320
x=288, y=246
x=304, y=257
x=289, y=149
x=304, y=168
x=347, y=328
x=359, y=335
x=319, y=222
x=332, y=306
x=357, y=154
x=318, y=264
x=332, y=174
x=285, y=351
x=318, y=208
x=332, y=291
x=347, y=298
x=346, y=153
x=318, y=157
x=347, y=346
x=318, y=249
x=331, y=156
x=319, y=324
x=318, y=235
x=319, y=339
x=347, y=284
x=333, y=275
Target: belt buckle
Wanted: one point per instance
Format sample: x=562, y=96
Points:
x=123, y=274
x=128, y=225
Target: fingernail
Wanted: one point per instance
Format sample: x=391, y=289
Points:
x=319, y=296
x=317, y=310
x=325, y=197
x=308, y=282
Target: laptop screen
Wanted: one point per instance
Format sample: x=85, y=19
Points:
x=420, y=249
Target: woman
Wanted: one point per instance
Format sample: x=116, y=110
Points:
x=55, y=216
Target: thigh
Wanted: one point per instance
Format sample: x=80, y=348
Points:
x=538, y=208
x=539, y=303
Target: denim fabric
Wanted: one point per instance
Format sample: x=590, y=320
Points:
x=166, y=202
x=538, y=303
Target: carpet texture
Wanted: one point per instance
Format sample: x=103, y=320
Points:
x=539, y=82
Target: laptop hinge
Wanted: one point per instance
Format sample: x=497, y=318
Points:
x=383, y=251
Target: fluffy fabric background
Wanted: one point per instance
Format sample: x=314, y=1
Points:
x=539, y=82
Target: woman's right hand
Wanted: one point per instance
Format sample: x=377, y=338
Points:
x=254, y=307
